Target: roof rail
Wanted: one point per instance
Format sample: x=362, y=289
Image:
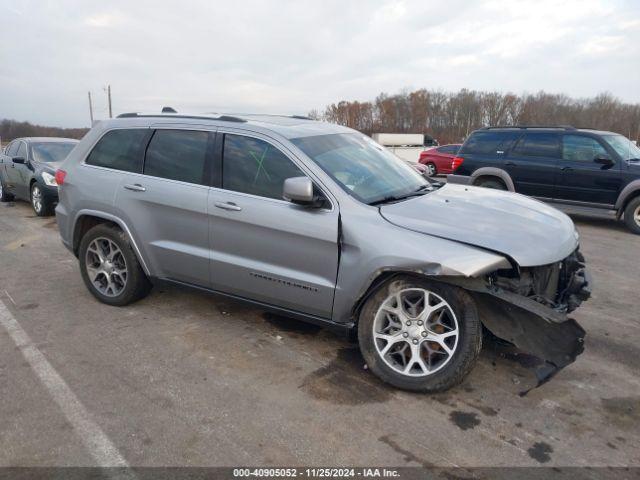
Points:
x=224, y=118
x=560, y=127
x=300, y=117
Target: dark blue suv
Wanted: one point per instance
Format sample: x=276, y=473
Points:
x=563, y=165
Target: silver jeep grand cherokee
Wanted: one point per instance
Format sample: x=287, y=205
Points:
x=319, y=222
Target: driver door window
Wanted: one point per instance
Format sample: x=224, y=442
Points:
x=22, y=151
x=581, y=179
x=251, y=165
x=581, y=149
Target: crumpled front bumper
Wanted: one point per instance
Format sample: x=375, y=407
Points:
x=541, y=328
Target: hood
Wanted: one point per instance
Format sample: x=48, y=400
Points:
x=50, y=167
x=529, y=231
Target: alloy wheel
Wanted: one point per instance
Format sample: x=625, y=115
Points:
x=36, y=198
x=431, y=168
x=636, y=215
x=415, y=332
x=106, y=267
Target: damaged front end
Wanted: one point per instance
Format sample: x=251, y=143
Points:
x=528, y=307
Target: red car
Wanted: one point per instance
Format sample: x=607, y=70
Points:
x=438, y=159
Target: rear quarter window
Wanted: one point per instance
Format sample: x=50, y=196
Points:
x=489, y=143
x=120, y=150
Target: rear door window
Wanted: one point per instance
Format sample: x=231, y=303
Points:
x=121, y=149
x=178, y=155
x=251, y=165
x=538, y=145
x=577, y=148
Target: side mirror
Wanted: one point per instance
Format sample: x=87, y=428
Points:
x=299, y=190
x=602, y=160
x=19, y=160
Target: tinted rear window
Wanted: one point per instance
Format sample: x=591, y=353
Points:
x=538, y=145
x=120, y=150
x=448, y=149
x=489, y=142
x=178, y=155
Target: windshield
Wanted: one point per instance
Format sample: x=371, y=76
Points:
x=623, y=146
x=363, y=168
x=51, y=152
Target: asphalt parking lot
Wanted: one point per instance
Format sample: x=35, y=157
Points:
x=184, y=378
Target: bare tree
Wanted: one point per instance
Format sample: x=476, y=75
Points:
x=450, y=117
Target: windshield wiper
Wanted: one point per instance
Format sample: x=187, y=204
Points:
x=421, y=190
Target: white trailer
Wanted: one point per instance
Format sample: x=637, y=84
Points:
x=406, y=146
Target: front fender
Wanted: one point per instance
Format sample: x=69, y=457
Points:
x=372, y=249
x=627, y=192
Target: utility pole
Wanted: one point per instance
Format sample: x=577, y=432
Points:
x=109, y=97
x=90, y=109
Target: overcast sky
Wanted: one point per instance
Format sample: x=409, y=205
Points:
x=293, y=56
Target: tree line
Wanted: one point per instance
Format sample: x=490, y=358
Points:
x=450, y=117
x=10, y=129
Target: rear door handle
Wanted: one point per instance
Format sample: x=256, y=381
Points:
x=510, y=164
x=566, y=169
x=136, y=187
x=228, y=206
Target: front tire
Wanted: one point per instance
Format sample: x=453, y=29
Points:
x=110, y=268
x=632, y=215
x=420, y=335
x=40, y=203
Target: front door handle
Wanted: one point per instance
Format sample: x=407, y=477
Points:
x=566, y=169
x=136, y=187
x=510, y=164
x=228, y=206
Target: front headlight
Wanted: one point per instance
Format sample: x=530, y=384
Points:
x=49, y=179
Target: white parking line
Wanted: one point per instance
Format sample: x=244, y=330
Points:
x=103, y=451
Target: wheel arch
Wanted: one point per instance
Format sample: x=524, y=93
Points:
x=631, y=191
x=381, y=279
x=495, y=173
x=87, y=219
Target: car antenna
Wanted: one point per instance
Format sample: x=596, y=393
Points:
x=168, y=110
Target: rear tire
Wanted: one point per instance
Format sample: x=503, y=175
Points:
x=492, y=183
x=432, y=170
x=4, y=195
x=429, y=349
x=632, y=215
x=110, y=268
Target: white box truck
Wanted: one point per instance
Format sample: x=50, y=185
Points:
x=406, y=146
